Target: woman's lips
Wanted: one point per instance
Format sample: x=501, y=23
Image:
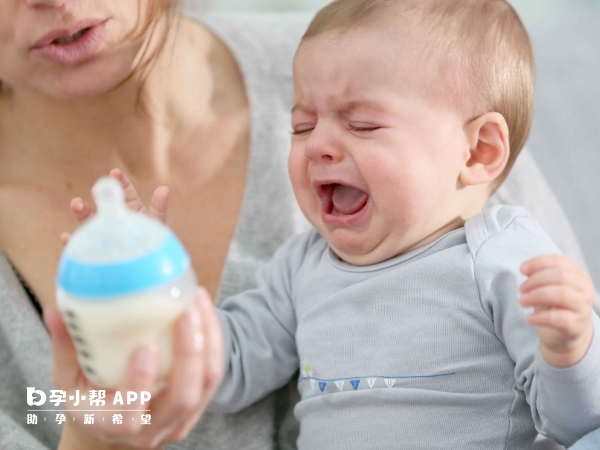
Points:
x=74, y=52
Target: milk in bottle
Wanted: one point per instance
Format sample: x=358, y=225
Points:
x=123, y=280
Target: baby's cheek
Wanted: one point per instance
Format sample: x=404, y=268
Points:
x=297, y=167
x=403, y=198
x=298, y=172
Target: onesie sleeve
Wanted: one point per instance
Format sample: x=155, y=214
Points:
x=565, y=403
x=259, y=332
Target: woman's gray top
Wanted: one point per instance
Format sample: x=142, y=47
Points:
x=264, y=45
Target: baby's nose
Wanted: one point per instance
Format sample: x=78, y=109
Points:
x=323, y=147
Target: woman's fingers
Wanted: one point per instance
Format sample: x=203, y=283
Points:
x=141, y=377
x=214, y=343
x=158, y=205
x=188, y=363
x=176, y=409
x=184, y=395
x=213, y=356
x=142, y=370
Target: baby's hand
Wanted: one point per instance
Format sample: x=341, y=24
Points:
x=157, y=207
x=562, y=295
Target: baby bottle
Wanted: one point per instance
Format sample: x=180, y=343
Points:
x=123, y=280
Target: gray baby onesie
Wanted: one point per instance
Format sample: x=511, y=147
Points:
x=427, y=350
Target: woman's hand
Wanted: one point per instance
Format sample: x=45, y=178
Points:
x=157, y=207
x=195, y=375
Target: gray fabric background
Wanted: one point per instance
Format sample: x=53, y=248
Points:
x=565, y=140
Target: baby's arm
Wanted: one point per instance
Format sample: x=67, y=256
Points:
x=563, y=296
x=564, y=402
x=259, y=332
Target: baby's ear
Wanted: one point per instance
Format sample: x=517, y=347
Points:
x=489, y=149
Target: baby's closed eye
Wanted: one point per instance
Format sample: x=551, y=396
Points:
x=362, y=128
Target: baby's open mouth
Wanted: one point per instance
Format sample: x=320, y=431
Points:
x=341, y=200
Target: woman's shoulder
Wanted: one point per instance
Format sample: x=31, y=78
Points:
x=268, y=40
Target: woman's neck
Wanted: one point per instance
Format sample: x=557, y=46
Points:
x=139, y=126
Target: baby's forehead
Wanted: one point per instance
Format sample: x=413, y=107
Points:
x=371, y=58
x=404, y=43
x=392, y=30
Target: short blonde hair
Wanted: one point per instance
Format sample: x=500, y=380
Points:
x=484, y=42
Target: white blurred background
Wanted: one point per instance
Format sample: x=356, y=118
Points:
x=529, y=9
x=565, y=140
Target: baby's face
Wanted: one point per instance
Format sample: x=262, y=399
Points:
x=375, y=161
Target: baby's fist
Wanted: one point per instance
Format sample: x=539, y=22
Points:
x=562, y=295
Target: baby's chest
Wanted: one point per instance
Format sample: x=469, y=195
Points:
x=393, y=330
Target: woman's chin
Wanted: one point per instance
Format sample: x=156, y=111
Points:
x=79, y=91
x=91, y=79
